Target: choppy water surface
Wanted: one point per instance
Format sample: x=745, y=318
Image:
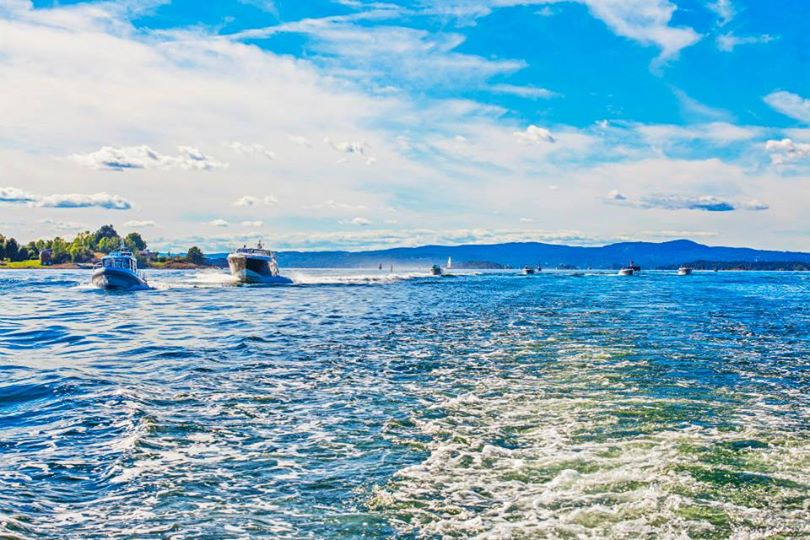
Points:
x=369, y=405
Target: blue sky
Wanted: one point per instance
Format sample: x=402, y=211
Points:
x=353, y=124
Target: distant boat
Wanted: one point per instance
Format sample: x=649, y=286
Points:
x=630, y=269
x=436, y=270
x=528, y=270
x=256, y=265
x=449, y=263
x=118, y=271
x=684, y=271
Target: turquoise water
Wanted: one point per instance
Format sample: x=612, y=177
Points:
x=369, y=405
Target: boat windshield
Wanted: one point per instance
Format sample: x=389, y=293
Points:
x=254, y=251
x=120, y=261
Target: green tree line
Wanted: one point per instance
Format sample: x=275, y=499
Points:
x=85, y=247
x=82, y=248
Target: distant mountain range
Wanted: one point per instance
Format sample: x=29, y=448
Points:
x=518, y=254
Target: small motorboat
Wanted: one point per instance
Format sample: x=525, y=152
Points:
x=118, y=271
x=630, y=270
x=529, y=270
x=256, y=265
x=684, y=271
x=436, y=270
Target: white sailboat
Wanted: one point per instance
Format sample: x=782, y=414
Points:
x=449, y=263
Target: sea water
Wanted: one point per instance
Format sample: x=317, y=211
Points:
x=376, y=405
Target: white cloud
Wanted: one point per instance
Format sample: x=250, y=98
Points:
x=786, y=151
x=250, y=200
x=677, y=201
x=144, y=157
x=251, y=149
x=713, y=132
x=724, y=10
x=753, y=205
x=529, y=92
x=727, y=42
x=526, y=220
x=348, y=147
x=79, y=200
x=696, y=111
x=407, y=56
x=534, y=135
x=140, y=223
x=265, y=5
x=790, y=104
x=12, y=195
x=356, y=221
x=645, y=21
x=254, y=224
x=218, y=223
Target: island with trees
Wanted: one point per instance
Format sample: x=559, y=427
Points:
x=87, y=248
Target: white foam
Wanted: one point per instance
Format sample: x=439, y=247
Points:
x=513, y=459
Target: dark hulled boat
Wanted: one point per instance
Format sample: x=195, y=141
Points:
x=256, y=265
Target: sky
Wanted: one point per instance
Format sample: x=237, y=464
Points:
x=355, y=124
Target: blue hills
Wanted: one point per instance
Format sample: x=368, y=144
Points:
x=517, y=254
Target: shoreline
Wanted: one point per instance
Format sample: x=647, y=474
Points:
x=87, y=266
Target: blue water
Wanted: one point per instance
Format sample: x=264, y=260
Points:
x=360, y=404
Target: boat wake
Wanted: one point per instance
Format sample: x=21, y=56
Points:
x=300, y=278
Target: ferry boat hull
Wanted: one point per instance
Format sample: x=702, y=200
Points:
x=626, y=272
x=117, y=279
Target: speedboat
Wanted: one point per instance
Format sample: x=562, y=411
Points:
x=630, y=270
x=684, y=271
x=528, y=270
x=436, y=270
x=118, y=271
x=256, y=265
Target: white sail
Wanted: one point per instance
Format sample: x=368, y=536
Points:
x=449, y=262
